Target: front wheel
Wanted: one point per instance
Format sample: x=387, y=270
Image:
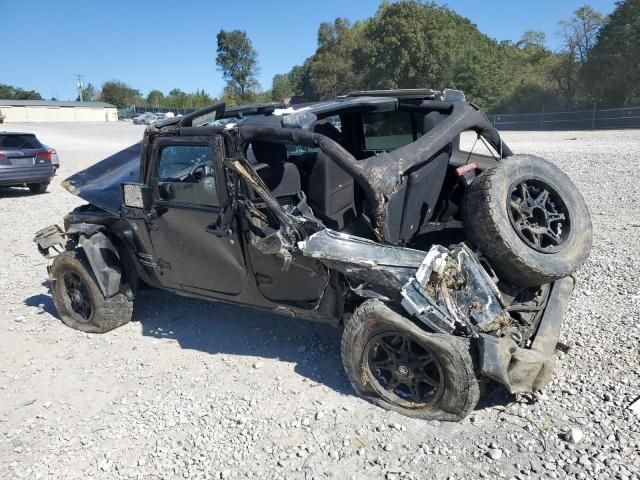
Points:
x=78, y=298
x=400, y=367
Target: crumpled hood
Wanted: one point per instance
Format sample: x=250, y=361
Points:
x=100, y=184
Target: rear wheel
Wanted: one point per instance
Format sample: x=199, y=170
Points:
x=38, y=187
x=78, y=298
x=400, y=367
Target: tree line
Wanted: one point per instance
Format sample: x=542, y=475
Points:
x=411, y=44
x=414, y=44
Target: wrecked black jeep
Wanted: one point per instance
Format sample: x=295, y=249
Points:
x=445, y=266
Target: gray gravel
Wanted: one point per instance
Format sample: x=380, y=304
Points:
x=202, y=390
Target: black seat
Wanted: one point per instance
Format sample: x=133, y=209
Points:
x=280, y=176
x=331, y=189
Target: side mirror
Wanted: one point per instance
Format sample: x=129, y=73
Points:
x=137, y=195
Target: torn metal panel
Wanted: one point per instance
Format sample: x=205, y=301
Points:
x=417, y=303
x=51, y=241
x=451, y=291
x=383, y=265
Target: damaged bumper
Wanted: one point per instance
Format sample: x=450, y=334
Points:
x=450, y=292
x=526, y=370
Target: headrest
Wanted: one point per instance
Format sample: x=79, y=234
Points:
x=269, y=152
x=328, y=130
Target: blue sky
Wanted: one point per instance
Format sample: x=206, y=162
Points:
x=166, y=44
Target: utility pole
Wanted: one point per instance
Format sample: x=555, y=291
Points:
x=80, y=85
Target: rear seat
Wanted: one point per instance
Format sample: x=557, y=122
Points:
x=281, y=176
x=329, y=188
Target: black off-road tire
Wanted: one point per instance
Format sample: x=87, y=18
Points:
x=106, y=313
x=488, y=225
x=38, y=187
x=460, y=389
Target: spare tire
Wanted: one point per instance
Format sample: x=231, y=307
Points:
x=528, y=218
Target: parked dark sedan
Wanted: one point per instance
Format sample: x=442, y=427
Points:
x=24, y=161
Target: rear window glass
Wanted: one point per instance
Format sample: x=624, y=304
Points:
x=17, y=142
x=387, y=131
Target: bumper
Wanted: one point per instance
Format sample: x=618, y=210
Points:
x=528, y=369
x=38, y=173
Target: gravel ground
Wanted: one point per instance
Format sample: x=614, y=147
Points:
x=193, y=389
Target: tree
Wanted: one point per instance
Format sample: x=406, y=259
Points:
x=281, y=88
x=155, y=98
x=177, y=99
x=238, y=62
x=300, y=80
x=578, y=37
x=332, y=71
x=612, y=71
x=120, y=94
x=416, y=44
x=579, y=33
x=89, y=93
x=201, y=99
x=410, y=44
x=532, y=38
x=9, y=92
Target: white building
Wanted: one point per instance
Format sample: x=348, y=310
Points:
x=15, y=111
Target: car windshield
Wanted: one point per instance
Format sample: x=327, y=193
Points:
x=18, y=141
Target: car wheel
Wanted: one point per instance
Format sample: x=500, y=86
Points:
x=529, y=219
x=78, y=298
x=400, y=367
x=38, y=187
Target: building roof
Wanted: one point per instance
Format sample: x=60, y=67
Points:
x=48, y=103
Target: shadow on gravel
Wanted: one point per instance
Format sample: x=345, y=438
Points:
x=494, y=395
x=16, y=192
x=45, y=300
x=213, y=327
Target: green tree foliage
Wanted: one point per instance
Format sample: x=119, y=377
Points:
x=177, y=99
x=120, y=94
x=201, y=99
x=413, y=44
x=299, y=79
x=409, y=44
x=9, y=92
x=155, y=98
x=281, y=88
x=332, y=70
x=578, y=37
x=238, y=62
x=612, y=70
x=89, y=93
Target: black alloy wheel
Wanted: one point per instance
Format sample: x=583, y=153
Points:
x=77, y=297
x=538, y=215
x=403, y=371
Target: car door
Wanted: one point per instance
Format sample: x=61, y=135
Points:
x=193, y=252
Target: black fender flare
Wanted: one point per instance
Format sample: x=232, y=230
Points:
x=103, y=258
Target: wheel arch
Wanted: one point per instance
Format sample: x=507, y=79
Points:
x=104, y=254
x=104, y=260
